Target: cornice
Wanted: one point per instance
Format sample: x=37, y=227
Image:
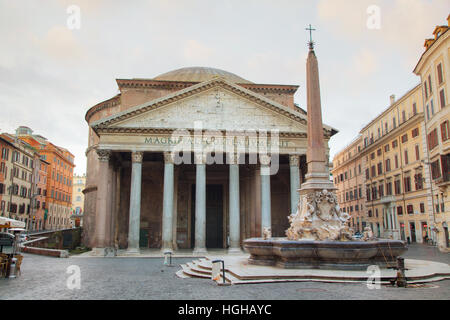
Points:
x=201, y=87
x=428, y=52
x=109, y=130
x=382, y=140
x=102, y=105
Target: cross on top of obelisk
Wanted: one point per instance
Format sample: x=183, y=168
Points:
x=311, y=42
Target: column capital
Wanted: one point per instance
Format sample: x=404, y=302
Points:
x=103, y=155
x=233, y=158
x=200, y=158
x=265, y=160
x=136, y=157
x=168, y=158
x=294, y=160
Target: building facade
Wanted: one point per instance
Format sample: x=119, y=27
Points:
x=59, y=164
x=196, y=158
x=348, y=172
x=434, y=71
x=79, y=183
x=18, y=164
x=404, y=154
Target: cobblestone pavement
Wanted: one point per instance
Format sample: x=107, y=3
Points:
x=147, y=278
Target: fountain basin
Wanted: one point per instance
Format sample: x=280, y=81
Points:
x=331, y=255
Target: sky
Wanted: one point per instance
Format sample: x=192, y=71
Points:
x=51, y=73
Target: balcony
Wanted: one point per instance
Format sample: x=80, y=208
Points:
x=387, y=199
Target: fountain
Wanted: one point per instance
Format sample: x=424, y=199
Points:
x=319, y=236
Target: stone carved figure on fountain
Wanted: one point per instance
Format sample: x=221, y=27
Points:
x=368, y=234
x=319, y=218
x=267, y=233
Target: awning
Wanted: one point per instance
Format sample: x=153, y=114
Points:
x=11, y=223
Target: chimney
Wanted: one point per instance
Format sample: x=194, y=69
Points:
x=392, y=99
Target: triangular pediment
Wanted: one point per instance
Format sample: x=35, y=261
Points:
x=214, y=105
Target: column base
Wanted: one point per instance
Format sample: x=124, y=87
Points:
x=104, y=252
x=235, y=251
x=199, y=251
x=132, y=251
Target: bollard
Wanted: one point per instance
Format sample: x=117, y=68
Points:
x=401, y=278
x=223, y=271
x=168, y=263
x=12, y=268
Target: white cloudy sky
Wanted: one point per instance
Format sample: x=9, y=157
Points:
x=50, y=75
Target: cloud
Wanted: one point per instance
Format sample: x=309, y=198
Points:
x=60, y=44
x=365, y=62
x=194, y=51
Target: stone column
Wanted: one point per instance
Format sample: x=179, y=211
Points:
x=235, y=242
x=102, y=204
x=167, y=221
x=266, y=218
x=200, y=204
x=294, y=162
x=135, y=203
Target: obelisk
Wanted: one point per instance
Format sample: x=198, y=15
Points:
x=318, y=216
x=317, y=177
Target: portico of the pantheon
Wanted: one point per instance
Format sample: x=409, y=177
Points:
x=196, y=158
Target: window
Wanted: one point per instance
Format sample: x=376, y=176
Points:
x=410, y=209
x=372, y=156
x=417, y=153
x=381, y=190
x=396, y=161
x=418, y=181
x=405, y=138
x=403, y=116
x=445, y=130
x=428, y=112
x=388, y=165
x=425, y=87
x=373, y=171
x=440, y=74
x=429, y=83
x=432, y=139
x=407, y=184
x=406, y=157
x=389, y=188
x=386, y=148
x=379, y=152
x=442, y=98
x=414, y=107
x=400, y=211
x=367, y=174
x=422, y=207
x=380, y=168
x=415, y=132
x=397, y=187
x=394, y=144
x=435, y=170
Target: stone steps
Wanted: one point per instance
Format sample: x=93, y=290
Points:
x=202, y=268
x=238, y=272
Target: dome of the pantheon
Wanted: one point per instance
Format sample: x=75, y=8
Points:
x=199, y=74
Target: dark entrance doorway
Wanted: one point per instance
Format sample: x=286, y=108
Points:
x=412, y=229
x=214, y=216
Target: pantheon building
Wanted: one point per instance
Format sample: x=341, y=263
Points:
x=196, y=158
